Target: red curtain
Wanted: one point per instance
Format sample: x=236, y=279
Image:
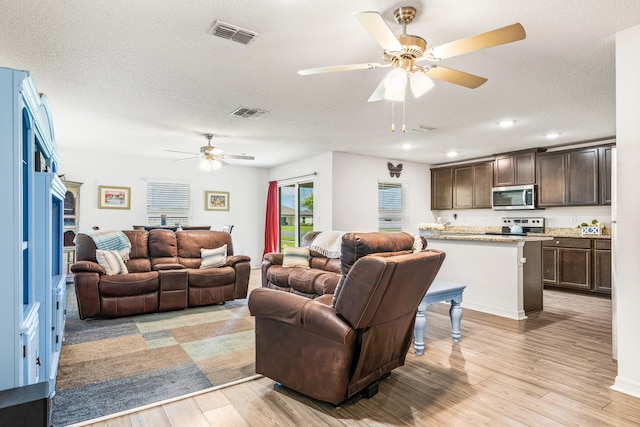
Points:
x=271, y=221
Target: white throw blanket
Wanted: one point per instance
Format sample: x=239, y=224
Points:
x=328, y=243
x=111, y=241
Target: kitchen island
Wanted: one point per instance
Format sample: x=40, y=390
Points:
x=503, y=274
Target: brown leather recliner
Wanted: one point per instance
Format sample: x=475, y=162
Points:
x=334, y=352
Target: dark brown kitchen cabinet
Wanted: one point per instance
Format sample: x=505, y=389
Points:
x=482, y=183
x=567, y=263
x=515, y=168
x=568, y=178
x=442, y=188
x=462, y=187
x=605, y=166
x=575, y=263
x=602, y=266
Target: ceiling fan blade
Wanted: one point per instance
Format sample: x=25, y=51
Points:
x=379, y=30
x=233, y=156
x=378, y=94
x=187, y=158
x=508, y=34
x=320, y=70
x=181, y=152
x=456, y=77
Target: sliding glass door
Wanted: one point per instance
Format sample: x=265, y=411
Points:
x=295, y=212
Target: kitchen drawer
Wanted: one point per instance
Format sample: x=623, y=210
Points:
x=602, y=244
x=568, y=242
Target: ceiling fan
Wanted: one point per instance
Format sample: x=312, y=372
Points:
x=212, y=157
x=403, y=52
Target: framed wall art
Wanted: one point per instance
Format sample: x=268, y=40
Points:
x=114, y=197
x=216, y=200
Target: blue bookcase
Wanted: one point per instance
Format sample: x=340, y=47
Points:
x=32, y=285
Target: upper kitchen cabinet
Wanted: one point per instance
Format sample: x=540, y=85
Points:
x=568, y=178
x=605, y=174
x=462, y=187
x=517, y=168
x=442, y=188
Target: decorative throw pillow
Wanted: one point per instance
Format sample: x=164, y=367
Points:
x=210, y=258
x=295, y=257
x=111, y=261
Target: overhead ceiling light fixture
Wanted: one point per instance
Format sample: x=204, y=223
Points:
x=506, y=123
x=552, y=135
x=452, y=153
x=407, y=146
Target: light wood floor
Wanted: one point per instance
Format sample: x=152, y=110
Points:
x=553, y=369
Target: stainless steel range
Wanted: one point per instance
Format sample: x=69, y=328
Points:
x=520, y=226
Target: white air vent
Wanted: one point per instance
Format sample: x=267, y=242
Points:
x=423, y=128
x=249, y=113
x=232, y=32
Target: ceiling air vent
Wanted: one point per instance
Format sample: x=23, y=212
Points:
x=232, y=32
x=249, y=113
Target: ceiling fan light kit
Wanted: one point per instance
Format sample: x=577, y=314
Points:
x=403, y=51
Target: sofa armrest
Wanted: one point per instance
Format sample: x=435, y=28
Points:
x=169, y=266
x=88, y=267
x=274, y=258
x=300, y=312
x=232, y=260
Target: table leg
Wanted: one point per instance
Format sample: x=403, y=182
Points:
x=455, y=313
x=418, y=330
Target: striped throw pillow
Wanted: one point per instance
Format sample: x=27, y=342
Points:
x=111, y=261
x=210, y=258
x=295, y=257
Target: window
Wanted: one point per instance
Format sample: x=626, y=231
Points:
x=296, y=212
x=391, y=206
x=172, y=199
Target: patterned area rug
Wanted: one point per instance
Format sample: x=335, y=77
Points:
x=112, y=365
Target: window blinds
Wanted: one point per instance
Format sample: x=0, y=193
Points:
x=172, y=199
x=391, y=206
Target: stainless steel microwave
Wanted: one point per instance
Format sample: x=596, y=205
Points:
x=516, y=197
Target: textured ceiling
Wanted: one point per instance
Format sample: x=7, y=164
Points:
x=145, y=76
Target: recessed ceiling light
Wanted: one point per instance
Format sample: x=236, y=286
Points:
x=506, y=123
x=407, y=146
x=552, y=135
x=452, y=153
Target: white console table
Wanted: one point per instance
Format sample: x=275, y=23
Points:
x=439, y=291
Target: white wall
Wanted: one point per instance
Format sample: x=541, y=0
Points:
x=626, y=265
x=247, y=187
x=345, y=190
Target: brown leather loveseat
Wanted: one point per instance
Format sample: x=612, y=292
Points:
x=324, y=273
x=163, y=273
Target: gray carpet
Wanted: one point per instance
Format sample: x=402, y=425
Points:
x=112, y=365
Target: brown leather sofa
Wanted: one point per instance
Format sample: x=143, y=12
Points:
x=324, y=273
x=334, y=350
x=163, y=274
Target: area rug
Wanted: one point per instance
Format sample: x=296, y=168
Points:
x=112, y=365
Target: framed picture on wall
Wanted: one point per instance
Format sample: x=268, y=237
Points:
x=216, y=200
x=114, y=197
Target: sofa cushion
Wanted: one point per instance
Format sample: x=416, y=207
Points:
x=111, y=261
x=211, y=258
x=303, y=279
x=279, y=275
x=211, y=277
x=295, y=257
x=131, y=284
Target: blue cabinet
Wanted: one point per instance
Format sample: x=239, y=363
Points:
x=32, y=282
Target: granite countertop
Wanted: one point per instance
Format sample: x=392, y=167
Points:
x=475, y=233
